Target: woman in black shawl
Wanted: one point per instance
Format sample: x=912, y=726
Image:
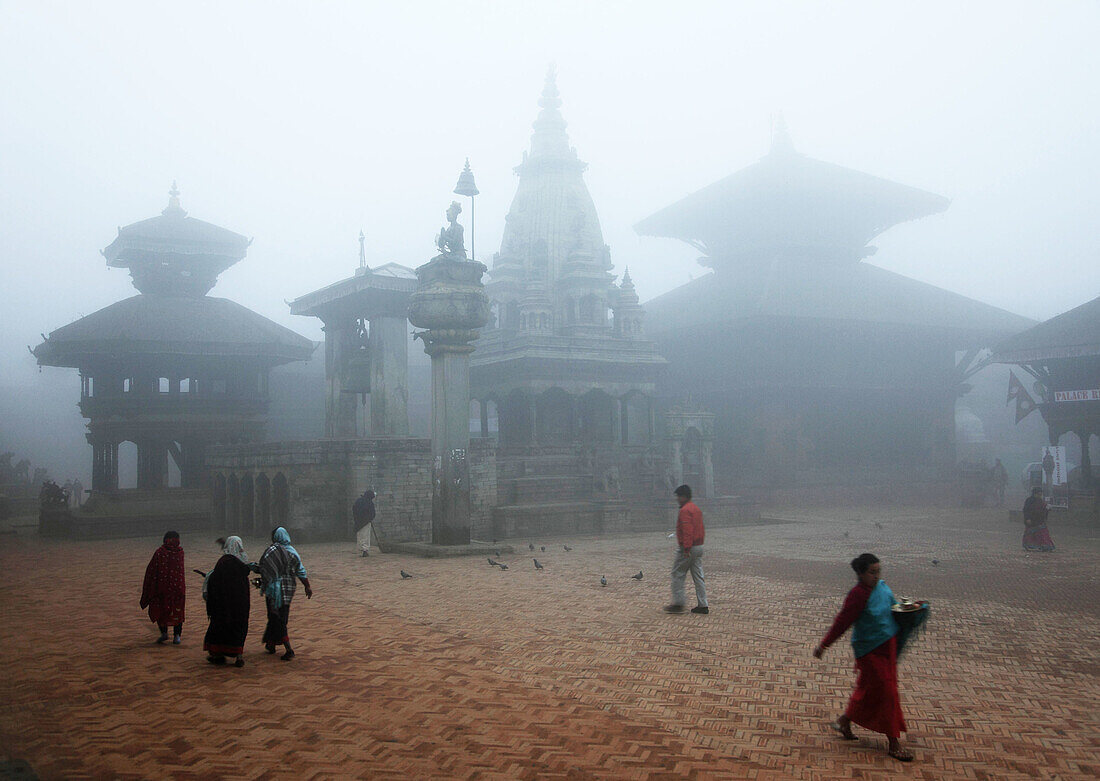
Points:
x=227, y=602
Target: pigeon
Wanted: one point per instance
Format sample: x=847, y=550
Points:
x=603, y=580
x=845, y=535
x=567, y=548
x=537, y=565
x=637, y=577
x=530, y=546
x=544, y=549
x=493, y=563
x=497, y=553
x=405, y=575
x=878, y=525
x=935, y=562
x=503, y=567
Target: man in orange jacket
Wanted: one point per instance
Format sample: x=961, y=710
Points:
x=689, y=555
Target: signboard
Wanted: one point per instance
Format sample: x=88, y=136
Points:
x=1078, y=395
x=1055, y=480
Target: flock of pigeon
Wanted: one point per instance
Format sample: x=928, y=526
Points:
x=538, y=564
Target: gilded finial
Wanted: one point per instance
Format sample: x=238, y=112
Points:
x=174, y=208
x=781, y=137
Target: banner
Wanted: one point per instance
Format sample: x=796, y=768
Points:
x=1055, y=479
x=1025, y=405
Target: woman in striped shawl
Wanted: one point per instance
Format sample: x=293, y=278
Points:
x=280, y=569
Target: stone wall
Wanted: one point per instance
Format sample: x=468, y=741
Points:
x=310, y=486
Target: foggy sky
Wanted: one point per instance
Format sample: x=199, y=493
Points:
x=299, y=124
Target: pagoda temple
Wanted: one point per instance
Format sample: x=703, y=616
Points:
x=553, y=375
x=172, y=369
x=819, y=367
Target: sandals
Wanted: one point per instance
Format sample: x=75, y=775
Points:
x=844, y=733
x=901, y=755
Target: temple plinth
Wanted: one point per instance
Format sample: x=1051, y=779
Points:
x=450, y=302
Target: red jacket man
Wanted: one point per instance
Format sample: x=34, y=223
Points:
x=689, y=554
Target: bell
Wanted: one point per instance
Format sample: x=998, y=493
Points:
x=357, y=373
x=466, y=184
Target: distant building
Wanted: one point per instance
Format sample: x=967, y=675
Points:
x=1063, y=355
x=172, y=369
x=820, y=368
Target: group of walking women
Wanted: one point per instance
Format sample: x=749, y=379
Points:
x=868, y=610
x=225, y=591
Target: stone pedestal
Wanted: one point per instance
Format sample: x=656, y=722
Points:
x=340, y=406
x=450, y=302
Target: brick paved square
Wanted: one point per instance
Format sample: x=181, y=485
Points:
x=467, y=671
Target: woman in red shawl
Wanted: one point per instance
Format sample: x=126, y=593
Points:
x=875, y=703
x=164, y=592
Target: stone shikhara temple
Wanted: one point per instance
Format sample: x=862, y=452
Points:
x=554, y=405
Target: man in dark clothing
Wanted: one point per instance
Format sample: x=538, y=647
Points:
x=362, y=512
x=689, y=554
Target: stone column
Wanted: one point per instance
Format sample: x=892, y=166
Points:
x=340, y=407
x=533, y=419
x=617, y=422
x=389, y=380
x=677, y=463
x=708, y=468
x=450, y=302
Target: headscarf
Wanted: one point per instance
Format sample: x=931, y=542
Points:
x=234, y=547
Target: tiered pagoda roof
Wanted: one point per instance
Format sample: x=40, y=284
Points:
x=793, y=204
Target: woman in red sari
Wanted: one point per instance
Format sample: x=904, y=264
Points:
x=875, y=703
x=163, y=591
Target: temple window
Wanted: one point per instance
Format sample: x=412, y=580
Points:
x=185, y=385
x=89, y=387
x=163, y=385
x=127, y=384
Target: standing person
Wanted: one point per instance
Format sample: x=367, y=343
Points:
x=227, y=603
x=1036, y=535
x=689, y=554
x=875, y=704
x=362, y=512
x=1000, y=481
x=280, y=566
x=164, y=591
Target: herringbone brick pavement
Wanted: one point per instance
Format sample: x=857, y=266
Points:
x=466, y=671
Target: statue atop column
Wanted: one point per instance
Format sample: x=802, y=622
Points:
x=450, y=238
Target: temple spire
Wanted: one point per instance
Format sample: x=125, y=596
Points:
x=363, y=250
x=549, y=139
x=173, y=209
x=781, y=137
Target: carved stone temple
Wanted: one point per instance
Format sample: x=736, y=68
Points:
x=567, y=390
x=172, y=370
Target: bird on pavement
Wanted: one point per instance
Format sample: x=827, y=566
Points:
x=530, y=546
x=503, y=567
x=567, y=548
x=935, y=562
x=637, y=577
x=845, y=535
x=603, y=580
x=537, y=565
x=878, y=525
x=543, y=548
x=493, y=563
x=405, y=575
